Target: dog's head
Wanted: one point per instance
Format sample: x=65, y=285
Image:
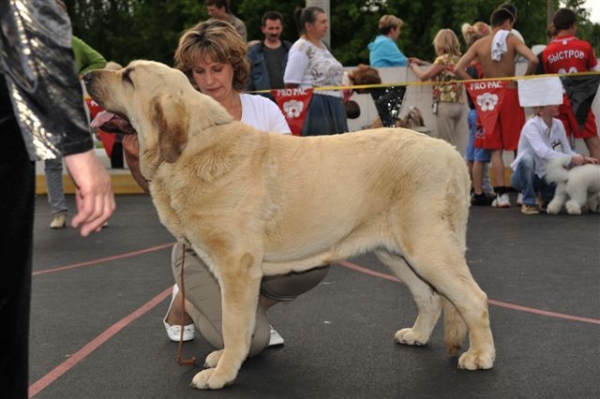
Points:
x=364, y=75
x=413, y=118
x=159, y=103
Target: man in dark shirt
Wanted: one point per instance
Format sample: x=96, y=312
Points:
x=268, y=58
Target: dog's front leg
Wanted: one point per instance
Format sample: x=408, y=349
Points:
x=240, y=287
x=560, y=196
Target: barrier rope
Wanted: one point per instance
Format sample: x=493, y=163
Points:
x=433, y=83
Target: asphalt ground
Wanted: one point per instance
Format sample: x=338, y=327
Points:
x=98, y=304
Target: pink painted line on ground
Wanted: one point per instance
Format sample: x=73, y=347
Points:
x=82, y=353
x=506, y=305
x=102, y=260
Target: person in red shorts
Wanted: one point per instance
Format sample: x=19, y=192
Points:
x=568, y=54
x=496, y=53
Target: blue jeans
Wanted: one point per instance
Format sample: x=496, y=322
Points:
x=528, y=183
x=471, y=153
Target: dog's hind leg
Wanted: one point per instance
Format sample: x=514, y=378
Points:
x=446, y=270
x=578, y=199
x=444, y=267
x=593, y=203
x=239, y=278
x=428, y=302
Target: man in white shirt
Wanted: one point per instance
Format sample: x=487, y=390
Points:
x=542, y=138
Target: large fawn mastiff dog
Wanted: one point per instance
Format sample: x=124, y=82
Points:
x=254, y=204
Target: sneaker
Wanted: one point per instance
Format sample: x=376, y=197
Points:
x=529, y=209
x=59, y=221
x=276, y=339
x=520, y=199
x=501, y=201
x=481, y=200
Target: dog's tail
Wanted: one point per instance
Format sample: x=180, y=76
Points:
x=455, y=329
x=557, y=169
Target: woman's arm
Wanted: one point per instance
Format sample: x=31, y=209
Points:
x=296, y=66
x=429, y=73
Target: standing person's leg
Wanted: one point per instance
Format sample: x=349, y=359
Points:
x=444, y=122
x=17, y=174
x=53, y=171
x=590, y=135
x=498, y=175
x=486, y=182
x=470, y=149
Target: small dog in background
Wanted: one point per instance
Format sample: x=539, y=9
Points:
x=366, y=75
x=581, y=185
x=413, y=119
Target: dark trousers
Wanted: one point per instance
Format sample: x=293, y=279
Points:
x=17, y=177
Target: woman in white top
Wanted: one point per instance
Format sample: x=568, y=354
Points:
x=311, y=64
x=213, y=56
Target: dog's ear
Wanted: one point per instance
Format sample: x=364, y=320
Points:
x=172, y=122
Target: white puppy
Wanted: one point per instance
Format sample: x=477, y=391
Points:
x=581, y=184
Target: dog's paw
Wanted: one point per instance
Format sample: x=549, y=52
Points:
x=211, y=379
x=553, y=208
x=408, y=336
x=573, y=208
x=213, y=359
x=477, y=360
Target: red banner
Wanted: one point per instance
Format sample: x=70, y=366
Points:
x=294, y=104
x=487, y=97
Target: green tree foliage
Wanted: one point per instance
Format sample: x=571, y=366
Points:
x=123, y=30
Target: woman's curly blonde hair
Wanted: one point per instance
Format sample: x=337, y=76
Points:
x=217, y=41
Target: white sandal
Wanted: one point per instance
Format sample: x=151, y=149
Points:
x=174, y=331
x=276, y=339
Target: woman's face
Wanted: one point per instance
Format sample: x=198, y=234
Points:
x=214, y=79
x=319, y=28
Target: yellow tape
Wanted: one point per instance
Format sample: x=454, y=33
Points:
x=432, y=83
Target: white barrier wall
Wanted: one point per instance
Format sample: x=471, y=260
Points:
x=420, y=97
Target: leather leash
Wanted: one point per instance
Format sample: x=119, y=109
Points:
x=192, y=360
